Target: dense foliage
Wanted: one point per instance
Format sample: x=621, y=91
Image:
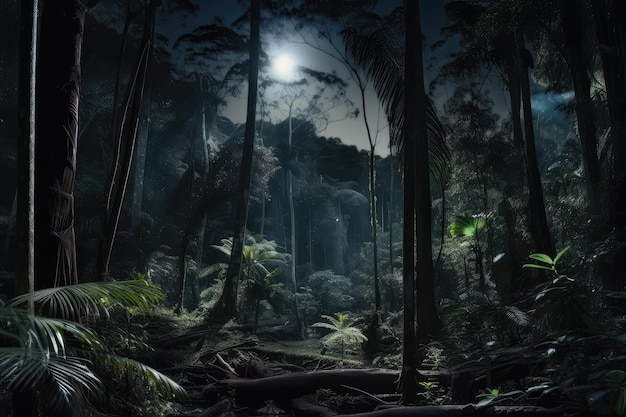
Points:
x=522, y=144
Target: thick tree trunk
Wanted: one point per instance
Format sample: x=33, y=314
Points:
x=572, y=22
x=612, y=37
x=468, y=410
x=58, y=91
x=408, y=380
x=296, y=384
x=428, y=323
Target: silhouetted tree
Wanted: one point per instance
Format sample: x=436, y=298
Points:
x=227, y=304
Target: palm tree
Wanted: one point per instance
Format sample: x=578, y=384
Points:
x=54, y=352
x=257, y=254
x=343, y=332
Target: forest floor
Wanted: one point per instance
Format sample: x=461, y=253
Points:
x=231, y=371
x=214, y=365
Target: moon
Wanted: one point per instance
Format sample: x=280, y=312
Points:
x=283, y=66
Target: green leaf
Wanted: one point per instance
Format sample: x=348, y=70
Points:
x=212, y=269
x=541, y=257
x=537, y=267
x=560, y=254
x=616, y=376
x=74, y=302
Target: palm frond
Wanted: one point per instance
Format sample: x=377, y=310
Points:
x=44, y=333
x=325, y=326
x=69, y=378
x=376, y=48
x=73, y=302
x=516, y=315
x=134, y=370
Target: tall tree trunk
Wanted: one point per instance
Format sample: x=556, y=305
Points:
x=428, y=322
x=391, y=208
x=227, y=304
x=129, y=127
x=58, y=86
x=25, y=403
x=612, y=37
x=412, y=72
x=571, y=23
x=25, y=198
x=139, y=166
x=538, y=222
x=292, y=224
x=201, y=134
x=374, y=224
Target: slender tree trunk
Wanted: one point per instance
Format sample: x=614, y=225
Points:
x=117, y=127
x=390, y=210
x=25, y=197
x=7, y=260
x=202, y=132
x=373, y=221
x=140, y=159
x=129, y=127
x=58, y=86
x=227, y=304
x=537, y=213
x=292, y=226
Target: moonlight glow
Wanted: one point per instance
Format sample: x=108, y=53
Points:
x=283, y=66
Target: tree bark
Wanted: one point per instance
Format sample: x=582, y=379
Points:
x=25, y=199
x=292, y=385
x=140, y=159
x=58, y=79
x=461, y=410
x=25, y=403
x=428, y=323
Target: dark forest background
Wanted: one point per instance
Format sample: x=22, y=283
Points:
x=504, y=176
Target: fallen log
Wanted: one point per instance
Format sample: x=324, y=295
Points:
x=461, y=410
x=296, y=384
